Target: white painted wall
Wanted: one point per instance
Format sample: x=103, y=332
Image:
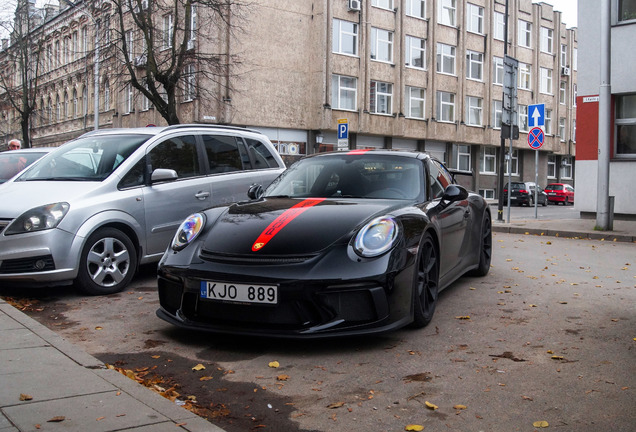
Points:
x=620, y=187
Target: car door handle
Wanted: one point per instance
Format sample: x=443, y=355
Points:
x=202, y=195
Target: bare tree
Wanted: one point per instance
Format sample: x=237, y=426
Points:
x=19, y=81
x=172, y=48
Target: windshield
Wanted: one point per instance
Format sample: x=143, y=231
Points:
x=12, y=162
x=92, y=158
x=370, y=176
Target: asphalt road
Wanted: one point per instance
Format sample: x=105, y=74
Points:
x=548, y=335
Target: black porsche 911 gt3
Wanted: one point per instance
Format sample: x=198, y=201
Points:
x=341, y=243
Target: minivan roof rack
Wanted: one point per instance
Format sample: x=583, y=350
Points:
x=213, y=126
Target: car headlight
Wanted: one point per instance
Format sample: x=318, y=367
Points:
x=38, y=219
x=376, y=237
x=188, y=231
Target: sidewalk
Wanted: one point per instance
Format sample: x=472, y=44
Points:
x=73, y=391
x=76, y=388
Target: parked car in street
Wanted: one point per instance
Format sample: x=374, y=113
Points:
x=560, y=193
x=13, y=162
x=342, y=243
x=95, y=208
x=523, y=194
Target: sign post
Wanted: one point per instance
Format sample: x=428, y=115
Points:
x=509, y=123
x=536, y=136
x=343, y=134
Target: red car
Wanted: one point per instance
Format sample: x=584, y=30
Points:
x=560, y=193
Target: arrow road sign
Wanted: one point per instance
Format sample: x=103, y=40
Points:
x=536, y=115
x=535, y=138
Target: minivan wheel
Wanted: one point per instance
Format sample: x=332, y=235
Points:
x=108, y=262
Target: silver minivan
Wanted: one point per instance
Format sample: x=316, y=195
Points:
x=95, y=208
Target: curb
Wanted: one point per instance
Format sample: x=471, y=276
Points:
x=602, y=236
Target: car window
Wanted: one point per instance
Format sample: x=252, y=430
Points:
x=12, y=162
x=135, y=176
x=439, y=178
x=260, y=155
x=176, y=153
x=222, y=153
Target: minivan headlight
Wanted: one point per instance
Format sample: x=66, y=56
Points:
x=188, y=231
x=376, y=237
x=38, y=219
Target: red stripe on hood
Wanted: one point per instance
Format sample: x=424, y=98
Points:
x=281, y=221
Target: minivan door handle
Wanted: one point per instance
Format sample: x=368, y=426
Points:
x=201, y=195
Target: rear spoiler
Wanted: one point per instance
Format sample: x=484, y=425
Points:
x=456, y=172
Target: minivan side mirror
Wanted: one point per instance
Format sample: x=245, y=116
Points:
x=163, y=174
x=255, y=191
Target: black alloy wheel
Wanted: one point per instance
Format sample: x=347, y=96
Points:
x=485, y=250
x=426, y=282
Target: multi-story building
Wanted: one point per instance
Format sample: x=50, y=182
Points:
x=622, y=145
x=404, y=74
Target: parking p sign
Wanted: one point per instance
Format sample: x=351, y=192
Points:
x=343, y=129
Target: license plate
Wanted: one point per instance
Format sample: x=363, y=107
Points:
x=239, y=293
x=552, y=194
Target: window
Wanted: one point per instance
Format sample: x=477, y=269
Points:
x=167, y=31
x=497, y=70
x=260, y=155
x=384, y=4
x=574, y=93
x=463, y=156
x=546, y=80
x=564, y=55
x=344, y=92
x=128, y=98
x=497, y=109
x=488, y=160
x=563, y=92
x=566, y=167
x=58, y=108
x=474, y=111
x=223, y=154
x=626, y=10
x=575, y=58
x=49, y=58
x=106, y=30
x=447, y=12
x=499, y=26
x=487, y=193
x=416, y=8
x=75, y=104
x=513, y=162
x=551, y=166
x=67, y=50
x=67, y=112
x=562, y=128
x=548, y=122
x=106, y=95
x=547, y=36
x=475, y=18
x=193, y=23
x=381, y=98
x=525, y=34
x=189, y=84
x=625, y=126
x=345, y=37
x=128, y=37
x=439, y=178
x=474, y=65
x=525, y=76
x=85, y=101
x=179, y=154
x=522, y=111
x=75, y=45
x=84, y=40
x=381, y=45
x=145, y=102
x=574, y=130
x=415, y=98
x=415, y=52
x=445, y=107
x=445, y=59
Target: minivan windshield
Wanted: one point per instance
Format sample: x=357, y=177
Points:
x=90, y=158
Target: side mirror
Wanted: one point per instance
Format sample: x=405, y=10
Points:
x=455, y=193
x=255, y=191
x=162, y=174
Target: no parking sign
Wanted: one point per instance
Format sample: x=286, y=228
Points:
x=536, y=138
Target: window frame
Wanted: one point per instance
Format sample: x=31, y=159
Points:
x=525, y=76
x=421, y=102
x=337, y=45
x=338, y=91
x=377, y=96
x=498, y=70
x=419, y=5
x=167, y=31
x=463, y=154
x=623, y=120
x=412, y=50
x=474, y=16
x=497, y=114
x=522, y=113
x=547, y=40
x=474, y=63
x=377, y=43
x=514, y=162
x=487, y=153
x=474, y=107
x=552, y=171
x=499, y=26
x=441, y=104
x=546, y=84
x=524, y=33
x=442, y=55
x=382, y=4
x=449, y=6
x=562, y=121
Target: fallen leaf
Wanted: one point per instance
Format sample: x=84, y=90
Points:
x=430, y=405
x=463, y=317
x=335, y=405
x=556, y=357
x=25, y=397
x=98, y=328
x=540, y=424
x=274, y=364
x=198, y=367
x=414, y=427
x=56, y=419
x=459, y=407
x=206, y=378
x=155, y=356
x=100, y=418
x=282, y=377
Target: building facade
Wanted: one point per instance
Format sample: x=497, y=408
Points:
x=623, y=102
x=402, y=74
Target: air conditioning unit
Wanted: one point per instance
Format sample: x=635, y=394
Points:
x=190, y=45
x=565, y=71
x=354, y=5
x=140, y=61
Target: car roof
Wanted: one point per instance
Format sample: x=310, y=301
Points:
x=377, y=152
x=156, y=130
x=30, y=150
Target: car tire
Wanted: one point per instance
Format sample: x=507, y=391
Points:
x=108, y=262
x=530, y=202
x=545, y=202
x=566, y=202
x=426, y=286
x=485, y=248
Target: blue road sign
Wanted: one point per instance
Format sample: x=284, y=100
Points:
x=536, y=115
x=343, y=130
x=535, y=138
